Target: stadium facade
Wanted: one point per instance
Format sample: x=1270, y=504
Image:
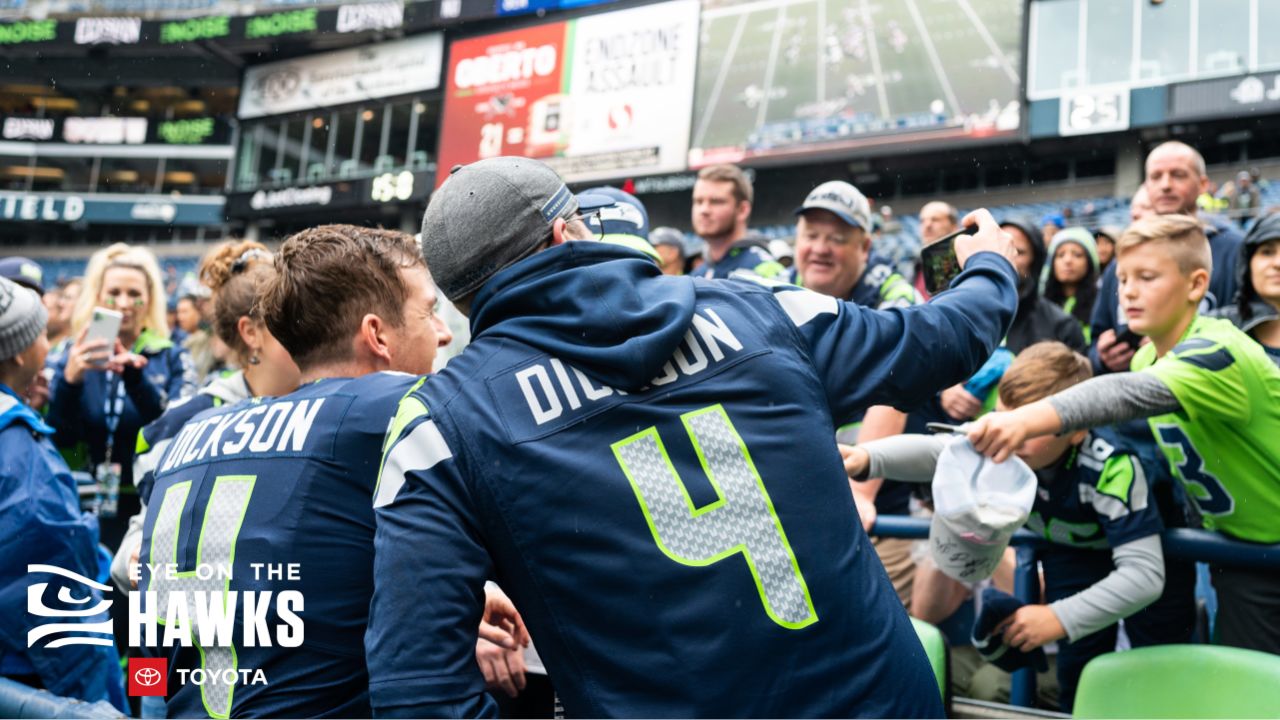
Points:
x=181, y=121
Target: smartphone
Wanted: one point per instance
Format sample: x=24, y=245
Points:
x=105, y=325
x=939, y=262
x=937, y=427
x=1130, y=337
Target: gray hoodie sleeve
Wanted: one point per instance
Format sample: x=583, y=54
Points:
x=908, y=458
x=132, y=541
x=1111, y=399
x=1136, y=582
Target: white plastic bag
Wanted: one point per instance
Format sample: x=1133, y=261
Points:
x=978, y=504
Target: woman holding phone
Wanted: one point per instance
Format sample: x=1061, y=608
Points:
x=106, y=388
x=236, y=272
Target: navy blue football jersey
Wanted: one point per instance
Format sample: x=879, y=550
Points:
x=647, y=466
x=749, y=255
x=154, y=438
x=278, y=491
x=1099, y=495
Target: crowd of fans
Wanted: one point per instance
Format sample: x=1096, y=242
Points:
x=1156, y=309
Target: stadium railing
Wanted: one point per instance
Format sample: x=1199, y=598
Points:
x=21, y=701
x=1181, y=543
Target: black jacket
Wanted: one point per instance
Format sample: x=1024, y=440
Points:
x=1038, y=319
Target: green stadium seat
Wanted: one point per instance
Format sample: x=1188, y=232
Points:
x=935, y=646
x=1180, y=681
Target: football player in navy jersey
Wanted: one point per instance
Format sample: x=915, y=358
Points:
x=279, y=490
x=647, y=465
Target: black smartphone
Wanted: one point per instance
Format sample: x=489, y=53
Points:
x=937, y=427
x=1130, y=337
x=939, y=262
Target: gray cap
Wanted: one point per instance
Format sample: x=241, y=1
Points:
x=668, y=236
x=489, y=215
x=841, y=198
x=22, y=319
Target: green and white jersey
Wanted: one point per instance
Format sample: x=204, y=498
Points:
x=1225, y=443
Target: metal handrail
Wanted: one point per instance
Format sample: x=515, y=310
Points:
x=1180, y=543
x=21, y=701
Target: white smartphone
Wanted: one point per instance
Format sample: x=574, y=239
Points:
x=105, y=325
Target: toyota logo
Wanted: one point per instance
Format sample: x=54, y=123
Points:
x=147, y=677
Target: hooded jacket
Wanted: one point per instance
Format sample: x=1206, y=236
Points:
x=1037, y=319
x=41, y=524
x=1080, y=305
x=646, y=465
x=1249, y=310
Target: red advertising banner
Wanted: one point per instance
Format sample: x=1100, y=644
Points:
x=504, y=96
x=598, y=98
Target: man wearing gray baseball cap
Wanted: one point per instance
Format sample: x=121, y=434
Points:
x=616, y=448
x=834, y=256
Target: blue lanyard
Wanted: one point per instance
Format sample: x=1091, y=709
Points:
x=113, y=408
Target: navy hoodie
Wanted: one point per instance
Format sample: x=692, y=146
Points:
x=646, y=465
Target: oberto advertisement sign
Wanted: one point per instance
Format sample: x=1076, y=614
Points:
x=596, y=98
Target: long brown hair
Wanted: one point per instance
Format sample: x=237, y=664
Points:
x=236, y=272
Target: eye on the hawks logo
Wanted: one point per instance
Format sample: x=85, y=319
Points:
x=148, y=676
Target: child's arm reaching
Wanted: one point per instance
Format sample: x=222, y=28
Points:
x=1100, y=401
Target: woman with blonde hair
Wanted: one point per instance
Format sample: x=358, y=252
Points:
x=236, y=272
x=103, y=391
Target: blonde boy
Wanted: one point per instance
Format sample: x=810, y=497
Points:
x=1211, y=396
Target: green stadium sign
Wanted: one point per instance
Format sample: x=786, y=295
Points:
x=194, y=29
x=283, y=23
x=28, y=32
x=185, y=132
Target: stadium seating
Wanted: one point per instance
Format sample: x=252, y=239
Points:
x=1180, y=681
x=935, y=646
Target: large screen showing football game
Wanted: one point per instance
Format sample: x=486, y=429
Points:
x=795, y=77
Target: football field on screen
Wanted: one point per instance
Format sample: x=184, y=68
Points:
x=775, y=63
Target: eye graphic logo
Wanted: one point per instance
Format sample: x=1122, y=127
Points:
x=80, y=632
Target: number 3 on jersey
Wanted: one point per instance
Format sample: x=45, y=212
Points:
x=742, y=520
x=1205, y=490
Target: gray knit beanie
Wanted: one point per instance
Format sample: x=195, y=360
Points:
x=22, y=318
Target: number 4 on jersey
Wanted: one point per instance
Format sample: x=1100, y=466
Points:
x=742, y=520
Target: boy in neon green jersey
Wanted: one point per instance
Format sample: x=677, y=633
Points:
x=1212, y=398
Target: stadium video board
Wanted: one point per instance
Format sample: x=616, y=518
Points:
x=597, y=98
x=793, y=77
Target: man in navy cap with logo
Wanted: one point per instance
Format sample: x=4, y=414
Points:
x=23, y=271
